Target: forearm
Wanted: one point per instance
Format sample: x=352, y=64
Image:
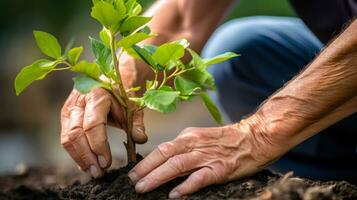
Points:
x=324, y=93
x=194, y=20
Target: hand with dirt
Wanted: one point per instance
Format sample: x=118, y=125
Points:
x=210, y=155
x=84, y=118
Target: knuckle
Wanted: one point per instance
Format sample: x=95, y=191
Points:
x=188, y=139
x=98, y=94
x=189, y=130
x=199, y=178
x=166, y=149
x=71, y=136
x=91, y=121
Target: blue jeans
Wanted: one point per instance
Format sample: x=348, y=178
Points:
x=273, y=50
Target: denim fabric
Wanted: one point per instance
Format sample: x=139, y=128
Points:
x=273, y=50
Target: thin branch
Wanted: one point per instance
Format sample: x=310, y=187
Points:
x=164, y=80
x=116, y=66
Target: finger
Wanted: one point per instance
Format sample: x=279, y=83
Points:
x=74, y=141
x=80, y=152
x=172, y=168
x=196, y=181
x=73, y=130
x=66, y=136
x=98, y=104
x=98, y=142
x=160, y=155
x=65, y=112
x=139, y=135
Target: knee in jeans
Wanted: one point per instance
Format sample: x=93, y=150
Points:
x=237, y=36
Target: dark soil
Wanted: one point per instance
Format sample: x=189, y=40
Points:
x=116, y=185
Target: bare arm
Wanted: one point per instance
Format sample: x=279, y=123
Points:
x=324, y=93
x=191, y=19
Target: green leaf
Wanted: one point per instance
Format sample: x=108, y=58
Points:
x=127, y=42
x=175, y=63
x=48, y=44
x=105, y=37
x=130, y=4
x=73, y=55
x=133, y=23
x=212, y=108
x=183, y=42
x=85, y=84
x=36, y=71
x=219, y=58
x=138, y=100
x=196, y=61
x=146, y=30
x=133, y=7
x=162, y=100
x=150, y=48
x=137, y=9
x=145, y=56
x=132, y=53
x=167, y=52
x=103, y=56
x=201, y=77
x=106, y=14
x=119, y=5
x=149, y=84
x=186, y=87
x=87, y=68
x=133, y=89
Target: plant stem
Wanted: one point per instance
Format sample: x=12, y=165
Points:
x=163, y=80
x=174, y=74
x=116, y=66
x=130, y=144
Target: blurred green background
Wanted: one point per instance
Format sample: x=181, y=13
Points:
x=29, y=124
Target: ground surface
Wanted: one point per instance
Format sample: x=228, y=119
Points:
x=52, y=184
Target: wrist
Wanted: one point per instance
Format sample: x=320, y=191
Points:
x=267, y=137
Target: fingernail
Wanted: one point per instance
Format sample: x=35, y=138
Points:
x=102, y=162
x=133, y=177
x=140, y=186
x=94, y=171
x=174, y=195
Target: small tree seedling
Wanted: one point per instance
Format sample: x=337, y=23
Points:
x=123, y=30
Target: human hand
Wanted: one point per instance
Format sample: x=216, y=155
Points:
x=84, y=118
x=210, y=155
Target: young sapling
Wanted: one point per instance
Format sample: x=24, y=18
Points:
x=123, y=31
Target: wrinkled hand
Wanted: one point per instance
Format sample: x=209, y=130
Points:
x=84, y=119
x=210, y=155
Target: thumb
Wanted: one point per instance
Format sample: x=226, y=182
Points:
x=138, y=132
